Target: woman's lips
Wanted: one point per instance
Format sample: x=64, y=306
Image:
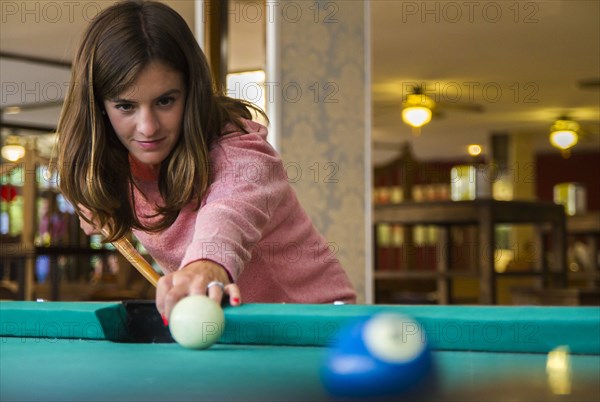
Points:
x=149, y=145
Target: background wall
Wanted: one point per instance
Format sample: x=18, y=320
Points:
x=323, y=84
x=581, y=167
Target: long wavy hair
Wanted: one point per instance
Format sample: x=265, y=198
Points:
x=93, y=165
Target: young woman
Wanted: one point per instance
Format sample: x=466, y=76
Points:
x=146, y=144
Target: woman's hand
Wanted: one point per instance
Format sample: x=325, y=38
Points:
x=193, y=279
x=89, y=229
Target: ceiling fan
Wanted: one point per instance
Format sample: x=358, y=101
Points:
x=7, y=113
x=591, y=83
x=567, y=132
x=420, y=105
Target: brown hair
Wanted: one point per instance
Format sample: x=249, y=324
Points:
x=93, y=164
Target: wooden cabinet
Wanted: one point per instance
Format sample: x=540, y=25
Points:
x=548, y=219
x=586, y=227
x=43, y=251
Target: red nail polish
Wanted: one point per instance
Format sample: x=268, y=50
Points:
x=235, y=300
x=165, y=321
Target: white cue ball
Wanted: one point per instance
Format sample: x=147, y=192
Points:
x=197, y=322
x=394, y=338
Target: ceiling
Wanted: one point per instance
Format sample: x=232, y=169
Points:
x=520, y=61
x=46, y=30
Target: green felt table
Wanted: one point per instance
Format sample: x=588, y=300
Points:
x=59, y=351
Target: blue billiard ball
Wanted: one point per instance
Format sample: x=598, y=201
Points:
x=382, y=355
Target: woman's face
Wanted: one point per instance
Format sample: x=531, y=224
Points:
x=147, y=116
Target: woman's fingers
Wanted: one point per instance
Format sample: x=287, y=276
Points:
x=165, y=283
x=199, y=278
x=215, y=291
x=235, y=296
x=173, y=296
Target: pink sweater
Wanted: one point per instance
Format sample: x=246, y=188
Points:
x=251, y=222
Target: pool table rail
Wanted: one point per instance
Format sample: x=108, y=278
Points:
x=524, y=329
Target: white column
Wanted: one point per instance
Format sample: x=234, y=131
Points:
x=318, y=70
x=199, y=22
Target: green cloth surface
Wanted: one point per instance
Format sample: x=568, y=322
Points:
x=478, y=328
x=481, y=328
x=81, y=320
x=87, y=370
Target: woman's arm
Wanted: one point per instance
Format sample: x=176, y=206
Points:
x=248, y=184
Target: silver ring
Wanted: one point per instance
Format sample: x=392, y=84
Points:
x=216, y=283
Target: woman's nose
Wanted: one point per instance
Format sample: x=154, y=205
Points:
x=148, y=123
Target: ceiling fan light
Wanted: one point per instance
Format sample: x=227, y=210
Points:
x=564, y=124
x=419, y=99
x=563, y=139
x=474, y=149
x=13, y=152
x=416, y=116
x=417, y=110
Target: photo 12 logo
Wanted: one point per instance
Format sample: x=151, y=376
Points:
x=325, y=12
x=289, y=92
x=289, y=332
x=16, y=93
x=452, y=12
x=51, y=331
x=475, y=91
x=50, y=12
x=472, y=332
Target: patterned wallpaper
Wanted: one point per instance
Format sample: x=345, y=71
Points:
x=322, y=139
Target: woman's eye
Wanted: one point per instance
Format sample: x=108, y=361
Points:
x=166, y=101
x=124, y=107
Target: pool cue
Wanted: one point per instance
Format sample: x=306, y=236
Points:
x=133, y=256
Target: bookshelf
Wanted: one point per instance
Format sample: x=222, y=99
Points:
x=484, y=215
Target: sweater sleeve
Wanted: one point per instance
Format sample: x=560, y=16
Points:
x=248, y=183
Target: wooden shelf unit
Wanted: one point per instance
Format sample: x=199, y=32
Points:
x=484, y=214
x=587, y=226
